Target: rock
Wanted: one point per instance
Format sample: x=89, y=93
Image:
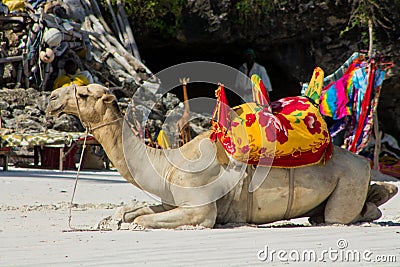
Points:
x=170, y=101
x=122, y=105
x=68, y=123
x=5, y=113
x=130, y=87
x=13, y=39
x=32, y=111
x=10, y=123
x=42, y=101
x=75, y=10
x=334, y=21
x=3, y=105
x=28, y=125
x=16, y=105
x=8, y=73
x=16, y=112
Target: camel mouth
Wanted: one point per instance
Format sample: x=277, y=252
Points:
x=54, y=111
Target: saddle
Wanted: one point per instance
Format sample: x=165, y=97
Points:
x=287, y=133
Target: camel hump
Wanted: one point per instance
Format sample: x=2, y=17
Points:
x=314, y=88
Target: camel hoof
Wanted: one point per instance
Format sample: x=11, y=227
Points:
x=381, y=192
x=316, y=220
x=371, y=212
x=136, y=227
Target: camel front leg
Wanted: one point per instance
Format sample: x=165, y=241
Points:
x=196, y=216
x=127, y=214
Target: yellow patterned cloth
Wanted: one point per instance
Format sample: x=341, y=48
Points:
x=14, y=5
x=289, y=133
x=67, y=80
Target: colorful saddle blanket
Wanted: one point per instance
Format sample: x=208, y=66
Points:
x=287, y=133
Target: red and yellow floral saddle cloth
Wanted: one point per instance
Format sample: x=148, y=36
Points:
x=287, y=133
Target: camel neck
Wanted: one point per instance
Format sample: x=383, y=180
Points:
x=110, y=137
x=143, y=160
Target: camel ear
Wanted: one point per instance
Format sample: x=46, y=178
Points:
x=108, y=98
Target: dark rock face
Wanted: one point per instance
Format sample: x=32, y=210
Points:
x=290, y=39
x=23, y=110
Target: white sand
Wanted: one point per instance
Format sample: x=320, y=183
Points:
x=34, y=213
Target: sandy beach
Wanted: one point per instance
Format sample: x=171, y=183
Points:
x=34, y=231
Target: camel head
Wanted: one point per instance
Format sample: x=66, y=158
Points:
x=90, y=103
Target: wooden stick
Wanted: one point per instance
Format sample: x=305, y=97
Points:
x=378, y=138
x=10, y=59
x=183, y=122
x=100, y=16
x=12, y=18
x=47, y=71
x=100, y=75
x=117, y=28
x=117, y=73
x=370, y=33
x=121, y=49
x=120, y=59
x=184, y=82
x=132, y=60
x=124, y=40
x=19, y=75
x=129, y=32
x=377, y=148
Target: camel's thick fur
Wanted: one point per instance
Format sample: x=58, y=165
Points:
x=333, y=193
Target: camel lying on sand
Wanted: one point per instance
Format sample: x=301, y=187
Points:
x=337, y=192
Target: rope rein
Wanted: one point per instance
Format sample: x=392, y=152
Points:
x=104, y=124
x=88, y=129
x=75, y=185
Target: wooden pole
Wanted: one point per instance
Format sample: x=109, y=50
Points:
x=184, y=82
x=10, y=59
x=377, y=134
x=124, y=41
x=117, y=28
x=370, y=33
x=100, y=16
x=183, y=122
x=19, y=75
x=120, y=59
x=99, y=33
x=129, y=32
